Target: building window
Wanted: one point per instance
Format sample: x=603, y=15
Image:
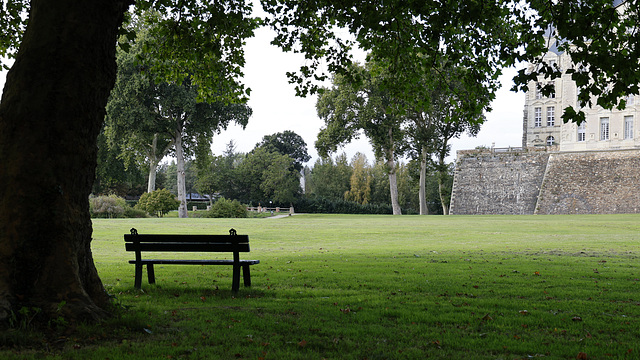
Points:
x=630, y=100
x=582, y=131
x=551, y=141
x=538, y=92
x=551, y=115
x=537, y=117
x=604, y=128
x=628, y=127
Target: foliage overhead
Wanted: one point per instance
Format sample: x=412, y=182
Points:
x=197, y=40
x=603, y=42
x=479, y=36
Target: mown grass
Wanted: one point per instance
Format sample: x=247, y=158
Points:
x=378, y=287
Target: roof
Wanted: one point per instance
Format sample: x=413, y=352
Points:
x=617, y=3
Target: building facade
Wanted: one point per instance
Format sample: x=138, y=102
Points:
x=602, y=130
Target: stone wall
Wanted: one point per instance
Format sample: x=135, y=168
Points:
x=540, y=182
x=493, y=182
x=604, y=182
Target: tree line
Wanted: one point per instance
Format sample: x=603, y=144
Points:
x=270, y=177
x=147, y=120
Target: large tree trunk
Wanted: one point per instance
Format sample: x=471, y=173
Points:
x=182, y=186
x=153, y=168
x=424, y=210
x=51, y=112
x=155, y=156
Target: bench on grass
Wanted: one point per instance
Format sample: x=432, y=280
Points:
x=232, y=243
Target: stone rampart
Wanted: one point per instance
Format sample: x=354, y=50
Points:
x=497, y=181
x=539, y=182
x=603, y=182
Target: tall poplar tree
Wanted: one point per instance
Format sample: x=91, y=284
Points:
x=363, y=104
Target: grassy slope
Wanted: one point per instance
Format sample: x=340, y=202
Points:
x=383, y=287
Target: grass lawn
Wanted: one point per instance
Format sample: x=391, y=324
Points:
x=377, y=287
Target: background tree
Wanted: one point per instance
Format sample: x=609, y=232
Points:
x=268, y=176
x=444, y=112
x=150, y=118
x=158, y=202
x=350, y=107
x=329, y=178
x=360, y=181
x=113, y=175
x=133, y=125
x=287, y=143
x=379, y=182
x=219, y=175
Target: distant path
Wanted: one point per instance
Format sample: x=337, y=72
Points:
x=278, y=216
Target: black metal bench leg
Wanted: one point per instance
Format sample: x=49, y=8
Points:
x=246, y=274
x=151, y=274
x=235, y=286
x=138, y=281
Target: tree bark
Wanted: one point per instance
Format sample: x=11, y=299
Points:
x=424, y=210
x=442, y=172
x=393, y=181
x=445, y=206
x=153, y=164
x=153, y=168
x=51, y=112
x=182, y=187
x=155, y=157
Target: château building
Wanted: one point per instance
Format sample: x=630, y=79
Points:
x=603, y=129
x=591, y=168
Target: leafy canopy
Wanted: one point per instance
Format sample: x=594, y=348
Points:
x=200, y=40
x=479, y=36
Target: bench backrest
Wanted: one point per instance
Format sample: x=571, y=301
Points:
x=186, y=243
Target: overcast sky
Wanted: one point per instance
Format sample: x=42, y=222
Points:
x=276, y=108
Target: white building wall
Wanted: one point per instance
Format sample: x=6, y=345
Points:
x=566, y=135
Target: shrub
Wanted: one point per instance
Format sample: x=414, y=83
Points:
x=158, y=202
x=112, y=206
x=224, y=208
x=107, y=206
x=130, y=212
x=322, y=205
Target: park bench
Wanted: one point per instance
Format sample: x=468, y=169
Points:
x=232, y=243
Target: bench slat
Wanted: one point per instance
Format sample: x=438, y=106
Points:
x=187, y=247
x=234, y=239
x=193, y=262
